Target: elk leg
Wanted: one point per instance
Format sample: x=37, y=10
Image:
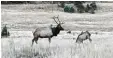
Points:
x=90, y=39
x=34, y=39
x=49, y=40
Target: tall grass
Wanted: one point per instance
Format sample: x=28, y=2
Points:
x=20, y=47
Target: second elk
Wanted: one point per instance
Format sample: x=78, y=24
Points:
x=83, y=36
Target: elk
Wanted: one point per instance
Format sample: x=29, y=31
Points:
x=48, y=32
x=83, y=36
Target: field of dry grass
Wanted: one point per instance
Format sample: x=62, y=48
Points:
x=23, y=19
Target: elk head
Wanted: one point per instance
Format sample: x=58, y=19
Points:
x=59, y=27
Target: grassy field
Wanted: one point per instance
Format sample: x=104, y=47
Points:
x=23, y=19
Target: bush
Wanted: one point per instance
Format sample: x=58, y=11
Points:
x=5, y=31
x=62, y=4
x=87, y=8
x=80, y=8
x=93, y=5
x=71, y=10
x=66, y=9
x=92, y=11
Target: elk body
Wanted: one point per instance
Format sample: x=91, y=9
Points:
x=83, y=36
x=48, y=32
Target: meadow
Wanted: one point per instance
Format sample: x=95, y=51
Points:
x=23, y=19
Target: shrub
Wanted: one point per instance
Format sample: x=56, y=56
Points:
x=93, y=5
x=87, y=8
x=80, y=8
x=92, y=11
x=66, y=9
x=5, y=31
x=71, y=10
x=62, y=4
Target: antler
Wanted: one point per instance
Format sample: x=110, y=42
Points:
x=54, y=19
x=59, y=20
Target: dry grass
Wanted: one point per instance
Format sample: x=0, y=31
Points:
x=20, y=46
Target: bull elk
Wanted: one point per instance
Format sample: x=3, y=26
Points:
x=48, y=32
